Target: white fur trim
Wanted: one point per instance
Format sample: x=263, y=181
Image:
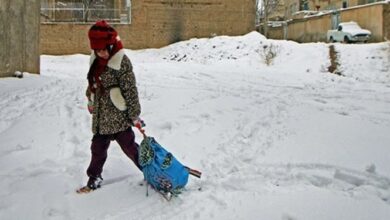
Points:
x=117, y=99
x=115, y=61
x=92, y=58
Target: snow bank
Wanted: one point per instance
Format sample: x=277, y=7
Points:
x=281, y=141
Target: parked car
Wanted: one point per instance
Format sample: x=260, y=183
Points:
x=348, y=32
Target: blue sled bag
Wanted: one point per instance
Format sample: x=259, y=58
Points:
x=160, y=168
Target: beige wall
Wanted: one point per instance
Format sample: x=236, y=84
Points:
x=292, y=6
x=279, y=12
x=368, y=17
x=309, y=30
x=386, y=22
x=157, y=23
x=375, y=18
x=276, y=33
x=331, y=4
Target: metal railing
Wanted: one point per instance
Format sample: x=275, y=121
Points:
x=80, y=15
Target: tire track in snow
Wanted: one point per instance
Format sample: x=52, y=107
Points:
x=245, y=137
x=240, y=151
x=334, y=178
x=24, y=101
x=76, y=124
x=59, y=108
x=28, y=101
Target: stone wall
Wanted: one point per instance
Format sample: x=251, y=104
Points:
x=157, y=23
x=19, y=44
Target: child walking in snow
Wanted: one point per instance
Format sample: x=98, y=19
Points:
x=113, y=100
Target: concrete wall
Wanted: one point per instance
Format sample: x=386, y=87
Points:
x=292, y=6
x=309, y=30
x=157, y=23
x=368, y=17
x=386, y=22
x=19, y=36
x=276, y=33
x=375, y=17
x=331, y=4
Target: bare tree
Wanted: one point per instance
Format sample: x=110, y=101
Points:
x=87, y=4
x=267, y=7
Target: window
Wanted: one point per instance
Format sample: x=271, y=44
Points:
x=345, y=4
x=86, y=10
x=306, y=6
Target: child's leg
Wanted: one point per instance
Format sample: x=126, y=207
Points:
x=126, y=140
x=99, y=146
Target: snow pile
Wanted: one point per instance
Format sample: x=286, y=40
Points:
x=281, y=141
x=211, y=50
x=369, y=62
x=249, y=49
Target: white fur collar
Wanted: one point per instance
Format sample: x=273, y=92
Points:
x=114, y=62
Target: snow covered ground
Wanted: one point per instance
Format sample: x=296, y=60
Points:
x=287, y=141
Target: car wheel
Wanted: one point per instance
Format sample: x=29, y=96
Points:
x=346, y=39
x=331, y=40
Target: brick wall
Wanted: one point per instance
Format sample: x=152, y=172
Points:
x=157, y=23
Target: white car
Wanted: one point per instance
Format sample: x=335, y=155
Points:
x=348, y=32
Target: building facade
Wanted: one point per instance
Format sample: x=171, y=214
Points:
x=298, y=8
x=157, y=23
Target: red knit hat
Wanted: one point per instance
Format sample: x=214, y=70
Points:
x=101, y=35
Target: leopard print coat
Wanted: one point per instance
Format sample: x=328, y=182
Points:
x=114, y=112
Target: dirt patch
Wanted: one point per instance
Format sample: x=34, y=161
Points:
x=334, y=64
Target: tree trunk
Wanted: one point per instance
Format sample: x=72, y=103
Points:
x=265, y=24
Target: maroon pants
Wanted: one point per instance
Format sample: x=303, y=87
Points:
x=99, y=147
